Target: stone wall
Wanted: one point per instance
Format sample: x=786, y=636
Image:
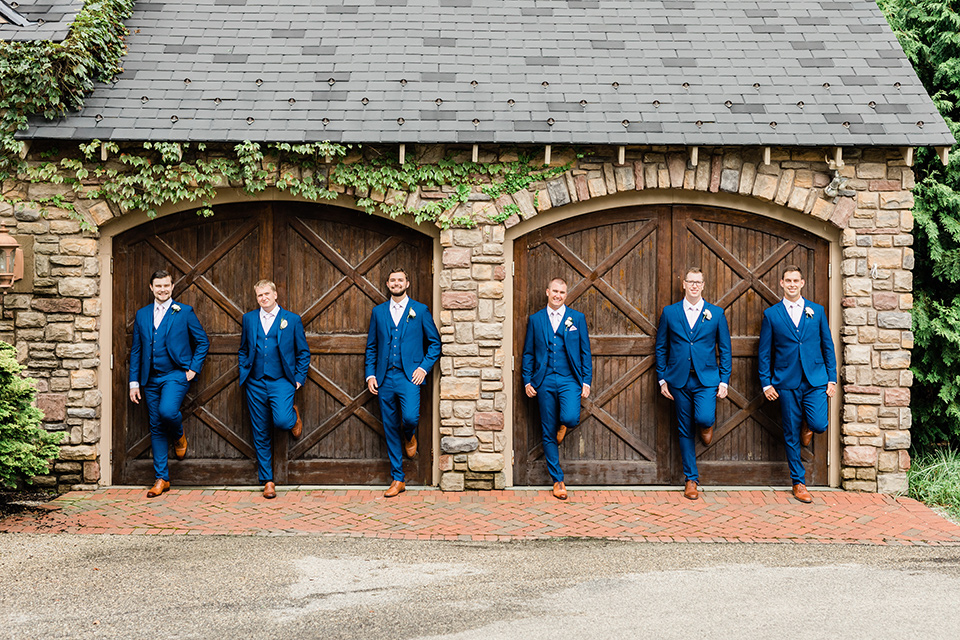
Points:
x=54, y=324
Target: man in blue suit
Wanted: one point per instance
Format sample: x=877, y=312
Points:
x=169, y=347
x=403, y=344
x=557, y=371
x=274, y=359
x=693, y=366
x=797, y=365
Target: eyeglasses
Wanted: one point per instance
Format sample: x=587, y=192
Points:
x=694, y=283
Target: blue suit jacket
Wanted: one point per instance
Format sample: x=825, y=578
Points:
x=787, y=353
x=294, y=352
x=680, y=348
x=419, y=340
x=186, y=341
x=576, y=343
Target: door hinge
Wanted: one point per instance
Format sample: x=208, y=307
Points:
x=830, y=270
x=513, y=268
x=111, y=361
x=513, y=363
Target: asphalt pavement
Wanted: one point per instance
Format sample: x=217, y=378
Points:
x=292, y=587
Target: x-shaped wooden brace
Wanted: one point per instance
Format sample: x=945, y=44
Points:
x=594, y=277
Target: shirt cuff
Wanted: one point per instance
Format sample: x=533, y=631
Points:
x=367, y=379
x=661, y=382
x=769, y=386
x=723, y=384
x=134, y=385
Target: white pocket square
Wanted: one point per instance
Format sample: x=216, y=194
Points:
x=573, y=328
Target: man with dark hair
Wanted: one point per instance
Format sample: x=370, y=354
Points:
x=274, y=359
x=797, y=364
x=403, y=344
x=694, y=361
x=169, y=347
x=557, y=371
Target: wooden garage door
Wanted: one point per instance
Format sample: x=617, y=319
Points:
x=623, y=267
x=329, y=266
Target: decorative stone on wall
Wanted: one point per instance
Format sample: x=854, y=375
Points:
x=54, y=326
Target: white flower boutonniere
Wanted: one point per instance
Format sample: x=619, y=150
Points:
x=175, y=308
x=568, y=324
x=283, y=323
x=411, y=314
x=809, y=312
x=707, y=315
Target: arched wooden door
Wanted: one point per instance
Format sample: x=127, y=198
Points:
x=623, y=267
x=329, y=266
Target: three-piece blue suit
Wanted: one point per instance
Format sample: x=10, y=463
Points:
x=798, y=362
x=557, y=364
x=159, y=361
x=693, y=362
x=271, y=366
x=394, y=352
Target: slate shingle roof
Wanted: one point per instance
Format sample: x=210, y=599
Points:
x=694, y=72
x=51, y=20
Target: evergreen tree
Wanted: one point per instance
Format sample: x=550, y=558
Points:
x=929, y=32
x=25, y=447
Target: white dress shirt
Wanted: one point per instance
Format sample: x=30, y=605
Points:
x=794, y=310
x=397, y=308
x=692, y=311
x=267, y=319
x=160, y=310
x=556, y=316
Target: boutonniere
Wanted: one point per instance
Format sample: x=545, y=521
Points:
x=411, y=314
x=568, y=323
x=707, y=315
x=283, y=323
x=809, y=312
x=175, y=308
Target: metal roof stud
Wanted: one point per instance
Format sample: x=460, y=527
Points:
x=826, y=85
x=325, y=121
x=438, y=101
x=187, y=81
x=625, y=123
x=872, y=104
x=474, y=83
x=331, y=81
x=403, y=82
x=773, y=125
x=476, y=122
x=259, y=81
x=583, y=103
x=544, y=84
x=699, y=123
x=98, y=117
x=756, y=85
x=400, y=121
x=920, y=123
x=728, y=104
x=511, y=102
x=615, y=85
x=364, y=101
x=249, y=119
x=174, y=119
x=144, y=99
x=656, y=104
x=896, y=85
x=551, y=121
x=292, y=101
x=686, y=85
x=846, y=125
x=217, y=101
x=800, y=104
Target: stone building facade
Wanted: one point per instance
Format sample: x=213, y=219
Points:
x=55, y=316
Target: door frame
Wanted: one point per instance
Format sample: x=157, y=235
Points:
x=128, y=221
x=647, y=197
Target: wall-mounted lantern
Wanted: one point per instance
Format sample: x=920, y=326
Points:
x=11, y=260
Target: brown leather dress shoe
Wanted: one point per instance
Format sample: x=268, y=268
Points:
x=180, y=447
x=800, y=493
x=561, y=433
x=297, y=430
x=690, y=490
x=707, y=436
x=559, y=491
x=806, y=436
x=158, y=488
x=269, y=491
x=410, y=446
x=396, y=488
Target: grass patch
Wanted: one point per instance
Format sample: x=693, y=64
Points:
x=935, y=480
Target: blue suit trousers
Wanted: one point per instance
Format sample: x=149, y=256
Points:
x=696, y=410
x=805, y=402
x=400, y=413
x=271, y=404
x=164, y=394
x=559, y=401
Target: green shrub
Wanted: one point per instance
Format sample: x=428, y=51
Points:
x=25, y=447
x=935, y=480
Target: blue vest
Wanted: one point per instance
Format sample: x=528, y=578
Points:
x=393, y=361
x=160, y=362
x=266, y=360
x=557, y=360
